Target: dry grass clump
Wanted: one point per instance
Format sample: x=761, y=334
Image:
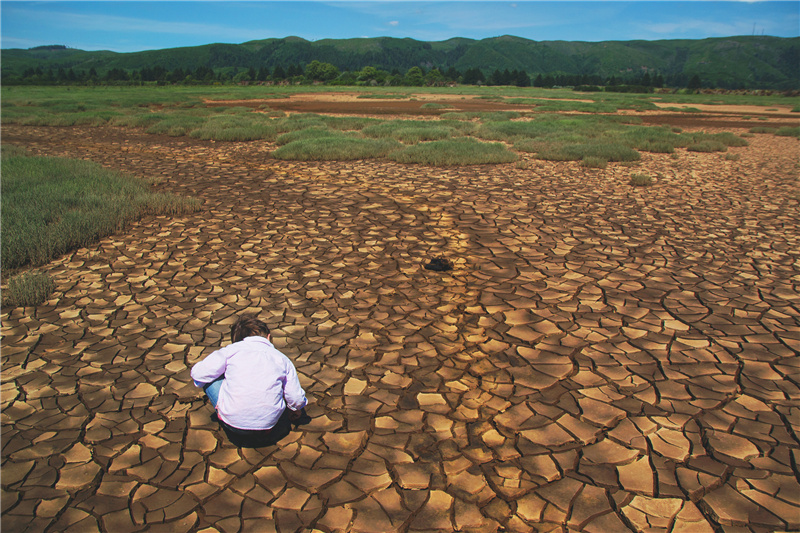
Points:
x=641, y=180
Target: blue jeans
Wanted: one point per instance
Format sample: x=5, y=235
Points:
x=212, y=390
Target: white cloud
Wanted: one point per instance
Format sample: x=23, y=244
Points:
x=394, y=23
x=111, y=23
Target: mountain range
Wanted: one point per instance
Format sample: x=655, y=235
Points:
x=753, y=62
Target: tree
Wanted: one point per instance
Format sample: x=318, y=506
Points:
x=434, y=77
x=370, y=75
x=694, y=83
x=521, y=79
x=452, y=74
x=473, y=76
x=243, y=76
x=318, y=71
x=415, y=77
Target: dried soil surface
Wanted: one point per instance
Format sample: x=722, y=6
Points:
x=600, y=358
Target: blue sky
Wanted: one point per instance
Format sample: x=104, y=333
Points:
x=127, y=26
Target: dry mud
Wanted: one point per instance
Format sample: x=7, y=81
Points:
x=602, y=358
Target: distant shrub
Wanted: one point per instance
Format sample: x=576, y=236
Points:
x=587, y=88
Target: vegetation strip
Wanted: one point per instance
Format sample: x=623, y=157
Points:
x=51, y=206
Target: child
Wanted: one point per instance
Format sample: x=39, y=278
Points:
x=252, y=385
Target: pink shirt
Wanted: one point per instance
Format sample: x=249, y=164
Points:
x=259, y=383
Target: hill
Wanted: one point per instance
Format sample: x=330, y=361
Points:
x=732, y=62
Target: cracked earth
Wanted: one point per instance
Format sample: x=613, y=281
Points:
x=601, y=358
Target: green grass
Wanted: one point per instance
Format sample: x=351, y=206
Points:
x=641, y=180
x=236, y=127
x=561, y=106
x=451, y=152
x=594, y=162
x=384, y=96
x=707, y=146
x=183, y=111
x=28, y=289
x=314, y=132
x=414, y=131
x=434, y=105
x=336, y=147
x=788, y=131
x=51, y=206
x=574, y=152
x=483, y=116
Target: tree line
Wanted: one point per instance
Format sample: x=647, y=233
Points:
x=318, y=72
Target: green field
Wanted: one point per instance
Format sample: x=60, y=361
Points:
x=565, y=125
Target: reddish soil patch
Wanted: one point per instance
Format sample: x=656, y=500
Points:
x=730, y=116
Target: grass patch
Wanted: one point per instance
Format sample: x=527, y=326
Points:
x=339, y=147
x=707, y=145
x=317, y=132
x=594, y=162
x=574, y=152
x=384, y=96
x=788, y=131
x=414, y=131
x=28, y=290
x=483, y=116
x=51, y=206
x=726, y=138
x=176, y=125
x=452, y=152
x=236, y=127
x=557, y=106
x=763, y=129
x=641, y=180
x=434, y=105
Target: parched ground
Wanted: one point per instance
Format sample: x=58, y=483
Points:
x=602, y=358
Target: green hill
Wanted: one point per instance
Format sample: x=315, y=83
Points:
x=732, y=62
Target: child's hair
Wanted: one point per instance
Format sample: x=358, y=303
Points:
x=248, y=325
